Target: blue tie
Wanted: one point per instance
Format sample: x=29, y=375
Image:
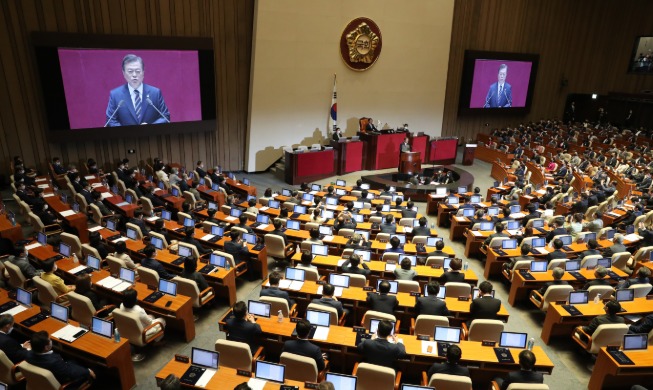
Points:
x=137, y=105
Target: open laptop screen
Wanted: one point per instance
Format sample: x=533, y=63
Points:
x=342, y=381
x=513, y=340
x=257, y=308
x=205, y=358
x=270, y=371
x=447, y=334
x=374, y=325
x=317, y=317
x=635, y=341
x=102, y=327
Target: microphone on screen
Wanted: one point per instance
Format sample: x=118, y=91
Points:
x=114, y=113
x=149, y=101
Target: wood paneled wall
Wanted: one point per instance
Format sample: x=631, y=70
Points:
x=587, y=42
x=22, y=129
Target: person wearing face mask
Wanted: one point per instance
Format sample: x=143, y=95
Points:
x=10, y=343
x=199, y=168
x=48, y=275
x=57, y=167
x=45, y=215
x=20, y=260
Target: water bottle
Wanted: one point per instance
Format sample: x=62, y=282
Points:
x=597, y=298
x=116, y=335
x=299, y=249
x=432, y=225
x=12, y=219
x=466, y=266
x=530, y=344
x=279, y=316
x=75, y=259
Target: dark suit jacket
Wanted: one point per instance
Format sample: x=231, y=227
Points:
x=62, y=370
x=381, y=352
x=522, y=377
x=126, y=114
x=155, y=265
x=494, y=100
x=452, y=277
x=447, y=368
x=642, y=326
x=329, y=302
x=432, y=306
x=382, y=302
x=556, y=232
x=556, y=254
x=408, y=213
x=305, y=348
x=243, y=331
x=276, y=293
x=600, y=320
x=388, y=228
x=421, y=231
x=12, y=348
x=485, y=308
x=239, y=252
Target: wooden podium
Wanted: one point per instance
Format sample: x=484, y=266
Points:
x=468, y=154
x=410, y=163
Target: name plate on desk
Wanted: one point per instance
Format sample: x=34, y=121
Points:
x=463, y=298
x=423, y=337
x=488, y=343
x=244, y=373
x=288, y=387
x=295, y=320
x=320, y=282
x=368, y=288
x=308, y=385
x=415, y=294
x=182, y=358
x=435, y=266
x=649, y=297
x=359, y=329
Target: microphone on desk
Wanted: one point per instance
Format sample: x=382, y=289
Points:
x=149, y=101
x=114, y=113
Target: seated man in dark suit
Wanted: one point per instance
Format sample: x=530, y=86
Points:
x=592, y=246
x=150, y=262
x=557, y=230
x=422, y=229
x=557, y=251
x=382, y=301
x=44, y=357
x=242, y=327
x=274, y=291
x=350, y=266
x=557, y=273
x=190, y=239
x=383, y=349
x=642, y=277
x=438, y=252
x=451, y=366
x=645, y=325
x=9, y=343
x=599, y=273
x=611, y=308
x=395, y=246
x=498, y=228
x=278, y=223
x=156, y=201
x=408, y=212
x=454, y=274
x=237, y=249
x=328, y=299
x=138, y=221
x=431, y=304
x=388, y=225
x=302, y=346
x=242, y=223
x=525, y=374
x=485, y=307
x=525, y=249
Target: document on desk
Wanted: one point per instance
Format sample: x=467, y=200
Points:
x=96, y=185
x=231, y=219
x=40, y=179
x=632, y=237
x=32, y=246
x=408, y=229
x=390, y=267
x=327, y=238
x=513, y=232
x=263, y=226
x=15, y=310
x=256, y=384
x=106, y=195
x=283, y=283
x=205, y=378
x=296, y=285
x=122, y=286
x=337, y=291
x=430, y=347
x=68, y=333
x=77, y=269
x=123, y=204
x=341, y=262
x=476, y=233
x=90, y=177
x=331, y=207
x=43, y=185
x=321, y=333
x=517, y=215
x=207, y=237
x=152, y=219
x=48, y=195
x=109, y=282
x=263, y=208
x=119, y=239
x=95, y=228
x=67, y=213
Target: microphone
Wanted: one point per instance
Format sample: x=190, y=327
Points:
x=149, y=101
x=506, y=96
x=487, y=101
x=114, y=113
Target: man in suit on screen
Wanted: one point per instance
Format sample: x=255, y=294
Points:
x=500, y=93
x=135, y=103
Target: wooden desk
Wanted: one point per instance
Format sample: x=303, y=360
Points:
x=458, y=227
x=486, y=154
x=224, y=378
x=9, y=231
x=433, y=202
x=77, y=220
x=520, y=287
x=309, y=166
x=382, y=150
x=473, y=241
x=350, y=156
x=608, y=374
x=239, y=187
x=212, y=195
x=91, y=348
x=444, y=213
x=179, y=315
x=559, y=322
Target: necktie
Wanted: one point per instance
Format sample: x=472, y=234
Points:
x=137, y=105
x=499, y=94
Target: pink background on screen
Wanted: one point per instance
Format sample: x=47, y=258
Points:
x=485, y=74
x=89, y=76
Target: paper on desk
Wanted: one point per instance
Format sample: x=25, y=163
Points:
x=331, y=207
x=67, y=333
x=513, y=232
x=263, y=226
x=96, y=185
x=67, y=213
x=95, y=228
x=48, y=195
x=263, y=208
x=89, y=177
x=40, y=179
x=313, y=192
x=32, y=246
x=205, y=378
x=77, y=269
x=119, y=239
x=390, y=267
x=207, y=237
x=15, y=310
x=152, y=219
x=122, y=204
x=632, y=237
x=476, y=233
x=432, y=344
x=122, y=286
x=327, y=238
x=43, y=186
x=408, y=229
x=517, y=215
x=613, y=214
x=109, y=282
x=231, y=219
x=283, y=283
x=341, y=262
x=321, y=333
x=106, y=195
x=256, y=384
x=296, y=285
x=337, y=291
x=388, y=245
x=541, y=191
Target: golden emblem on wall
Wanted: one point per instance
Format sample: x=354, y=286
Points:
x=360, y=44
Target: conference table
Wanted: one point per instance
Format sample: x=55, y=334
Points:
x=350, y=156
x=310, y=165
x=93, y=349
x=610, y=374
x=10, y=231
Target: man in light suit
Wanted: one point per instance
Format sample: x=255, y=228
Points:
x=500, y=93
x=135, y=103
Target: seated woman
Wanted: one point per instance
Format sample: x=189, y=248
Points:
x=83, y=287
x=129, y=300
x=121, y=253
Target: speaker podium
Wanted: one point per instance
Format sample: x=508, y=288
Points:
x=468, y=154
x=410, y=163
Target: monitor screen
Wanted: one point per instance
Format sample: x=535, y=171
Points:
x=42, y=238
x=366, y=234
x=270, y=371
x=394, y=285
x=166, y=215
x=64, y=250
x=212, y=206
x=157, y=242
x=475, y=199
x=538, y=243
x=274, y=204
x=340, y=192
x=442, y=292
x=205, y=358
x=214, y=187
x=415, y=387
x=572, y=265
x=184, y=251
x=59, y=312
x=168, y=287
x=364, y=255
x=250, y=238
x=127, y=275
x=589, y=236
x=295, y=274
x=625, y=295
x=327, y=214
x=131, y=234
x=537, y=223
x=286, y=192
x=452, y=200
x=307, y=197
x=341, y=381
x=93, y=262
x=441, y=191
x=606, y=262
x=174, y=191
x=446, y=264
x=513, y=225
x=359, y=205
x=635, y=341
x=257, y=308
x=538, y=266
x=513, y=340
x=492, y=211
x=217, y=231
x=316, y=187
x=102, y=327
x=468, y=212
x=339, y=280
x=23, y=297
x=341, y=183
x=487, y=226
x=566, y=239
x=401, y=237
x=234, y=212
x=262, y=218
x=292, y=225
x=578, y=297
x=508, y=244
x=218, y=261
x=332, y=201
x=477, y=292
x=431, y=241
x=365, y=186
x=76, y=207
x=358, y=218
x=299, y=209
x=246, y=181
x=385, y=208
x=189, y=222
x=462, y=190
x=412, y=258
x=321, y=250
x=514, y=209
x=610, y=234
x=447, y=334
x=326, y=230
x=374, y=325
x=317, y=317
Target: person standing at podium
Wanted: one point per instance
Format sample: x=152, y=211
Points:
x=405, y=146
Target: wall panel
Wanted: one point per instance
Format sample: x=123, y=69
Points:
x=22, y=127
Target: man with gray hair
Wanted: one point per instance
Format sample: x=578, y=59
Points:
x=500, y=93
x=617, y=246
x=135, y=103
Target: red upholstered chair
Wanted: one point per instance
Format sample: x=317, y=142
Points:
x=363, y=123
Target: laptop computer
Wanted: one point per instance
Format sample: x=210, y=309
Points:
x=338, y=281
x=444, y=336
x=634, y=342
x=215, y=261
x=102, y=327
x=259, y=309
x=442, y=293
x=217, y=232
x=131, y=234
x=342, y=381
x=270, y=371
x=513, y=340
x=537, y=246
x=625, y=295
x=394, y=285
x=476, y=292
x=363, y=254
x=261, y=219
x=166, y=215
x=200, y=361
x=320, y=323
x=319, y=250
x=183, y=251
x=325, y=231
x=374, y=325
x=59, y=312
x=157, y=242
x=539, y=266
x=580, y=297
x=298, y=210
x=292, y=225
